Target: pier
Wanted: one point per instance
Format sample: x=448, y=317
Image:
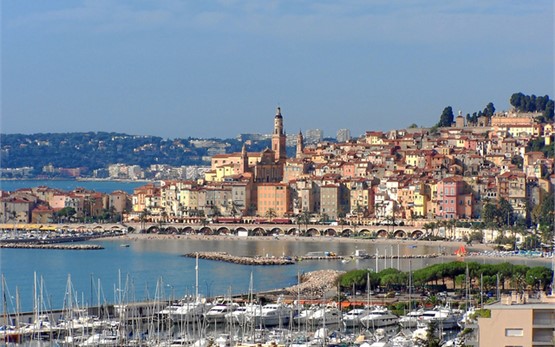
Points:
x=223, y=256
x=226, y=257
x=65, y=246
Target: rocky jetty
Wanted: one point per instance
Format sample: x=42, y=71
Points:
x=315, y=284
x=65, y=246
x=223, y=256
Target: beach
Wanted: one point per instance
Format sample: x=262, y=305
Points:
x=475, y=252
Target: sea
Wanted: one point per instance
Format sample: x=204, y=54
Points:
x=103, y=186
x=138, y=269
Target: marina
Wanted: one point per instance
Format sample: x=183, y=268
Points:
x=271, y=319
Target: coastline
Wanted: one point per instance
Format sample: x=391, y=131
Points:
x=475, y=250
x=287, y=238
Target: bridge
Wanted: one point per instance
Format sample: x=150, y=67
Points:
x=243, y=229
x=383, y=231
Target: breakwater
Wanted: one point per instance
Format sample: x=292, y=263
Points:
x=226, y=257
x=66, y=246
x=223, y=256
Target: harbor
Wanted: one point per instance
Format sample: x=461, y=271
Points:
x=271, y=318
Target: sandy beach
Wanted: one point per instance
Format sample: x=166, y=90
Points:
x=324, y=239
x=475, y=250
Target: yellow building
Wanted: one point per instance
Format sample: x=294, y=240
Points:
x=420, y=201
x=189, y=198
x=374, y=138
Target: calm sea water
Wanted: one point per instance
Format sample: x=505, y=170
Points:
x=156, y=268
x=68, y=185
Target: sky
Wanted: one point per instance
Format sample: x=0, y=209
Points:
x=177, y=68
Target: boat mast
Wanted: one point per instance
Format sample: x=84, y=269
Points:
x=4, y=303
x=410, y=285
x=17, y=308
x=196, y=278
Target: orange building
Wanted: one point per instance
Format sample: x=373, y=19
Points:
x=274, y=196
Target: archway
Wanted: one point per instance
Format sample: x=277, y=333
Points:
x=417, y=234
x=205, y=231
x=188, y=230
x=277, y=231
x=381, y=233
x=223, y=231
x=171, y=230
x=153, y=230
x=258, y=231
x=312, y=232
x=241, y=231
x=365, y=232
x=400, y=234
x=329, y=232
x=347, y=233
x=293, y=231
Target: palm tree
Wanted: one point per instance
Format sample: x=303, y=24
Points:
x=451, y=225
x=143, y=217
x=163, y=218
x=271, y=214
x=303, y=218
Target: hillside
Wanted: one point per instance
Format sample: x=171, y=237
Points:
x=93, y=150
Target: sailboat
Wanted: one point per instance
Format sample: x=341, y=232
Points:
x=461, y=251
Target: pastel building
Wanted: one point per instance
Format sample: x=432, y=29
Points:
x=519, y=320
x=273, y=196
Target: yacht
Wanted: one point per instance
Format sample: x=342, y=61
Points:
x=271, y=315
x=185, y=310
x=352, y=318
x=217, y=313
x=443, y=316
x=241, y=314
x=379, y=317
x=410, y=320
x=104, y=338
x=304, y=315
x=325, y=315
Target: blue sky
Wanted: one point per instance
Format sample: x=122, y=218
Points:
x=219, y=68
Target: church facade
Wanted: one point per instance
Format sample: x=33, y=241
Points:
x=260, y=167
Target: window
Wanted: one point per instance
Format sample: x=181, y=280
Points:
x=513, y=332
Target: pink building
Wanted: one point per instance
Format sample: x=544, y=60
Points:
x=452, y=202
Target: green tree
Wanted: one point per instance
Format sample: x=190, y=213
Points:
x=543, y=216
x=517, y=100
x=446, y=118
x=548, y=113
x=499, y=214
x=489, y=110
x=66, y=213
x=392, y=277
x=271, y=214
x=539, y=277
x=356, y=278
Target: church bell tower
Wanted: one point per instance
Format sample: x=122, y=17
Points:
x=278, y=138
